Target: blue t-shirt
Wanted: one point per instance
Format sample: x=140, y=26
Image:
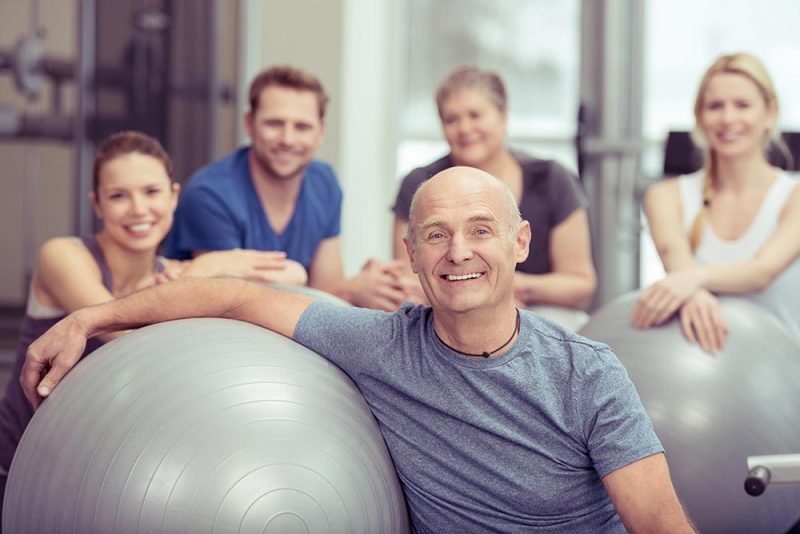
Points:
x=219, y=209
x=515, y=443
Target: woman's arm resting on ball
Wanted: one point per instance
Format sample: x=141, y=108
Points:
x=664, y=210
x=51, y=356
x=781, y=250
x=658, y=302
x=645, y=500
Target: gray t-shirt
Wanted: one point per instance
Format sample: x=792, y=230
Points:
x=514, y=443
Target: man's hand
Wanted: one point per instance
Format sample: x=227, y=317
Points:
x=658, y=302
x=51, y=357
x=702, y=321
x=379, y=285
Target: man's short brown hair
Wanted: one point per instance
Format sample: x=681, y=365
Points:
x=291, y=78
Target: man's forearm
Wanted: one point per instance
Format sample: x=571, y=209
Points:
x=51, y=356
x=219, y=297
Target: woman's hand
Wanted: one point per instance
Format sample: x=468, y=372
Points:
x=658, y=302
x=702, y=321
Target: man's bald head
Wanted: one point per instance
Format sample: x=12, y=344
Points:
x=458, y=180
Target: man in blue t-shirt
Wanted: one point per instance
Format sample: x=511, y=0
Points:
x=273, y=196
x=496, y=419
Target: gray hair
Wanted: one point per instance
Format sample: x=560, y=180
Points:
x=467, y=77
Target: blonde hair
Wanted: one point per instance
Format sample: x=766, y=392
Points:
x=751, y=67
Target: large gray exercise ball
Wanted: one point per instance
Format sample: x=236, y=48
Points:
x=203, y=425
x=570, y=319
x=712, y=412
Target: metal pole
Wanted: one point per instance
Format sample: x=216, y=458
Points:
x=84, y=111
x=212, y=102
x=611, y=96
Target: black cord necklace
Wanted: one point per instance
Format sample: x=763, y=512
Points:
x=482, y=354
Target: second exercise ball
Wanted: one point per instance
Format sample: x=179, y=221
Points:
x=713, y=411
x=204, y=425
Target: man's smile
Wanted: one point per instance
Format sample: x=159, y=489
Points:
x=459, y=277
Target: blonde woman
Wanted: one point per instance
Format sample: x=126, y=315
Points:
x=734, y=226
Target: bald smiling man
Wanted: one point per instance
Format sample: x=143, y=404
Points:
x=496, y=419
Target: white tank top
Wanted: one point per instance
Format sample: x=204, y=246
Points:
x=782, y=296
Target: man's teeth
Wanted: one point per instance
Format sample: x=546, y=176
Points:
x=142, y=227
x=455, y=277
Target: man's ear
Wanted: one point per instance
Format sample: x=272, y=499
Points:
x=410, y=252
x=248, y=123
x=523, y=241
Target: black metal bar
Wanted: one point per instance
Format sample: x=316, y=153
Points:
x=84, y=110
x=17, y=126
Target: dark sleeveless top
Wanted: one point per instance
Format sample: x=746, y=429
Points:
x=15, y=411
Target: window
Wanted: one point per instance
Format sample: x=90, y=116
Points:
x=532, y=44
